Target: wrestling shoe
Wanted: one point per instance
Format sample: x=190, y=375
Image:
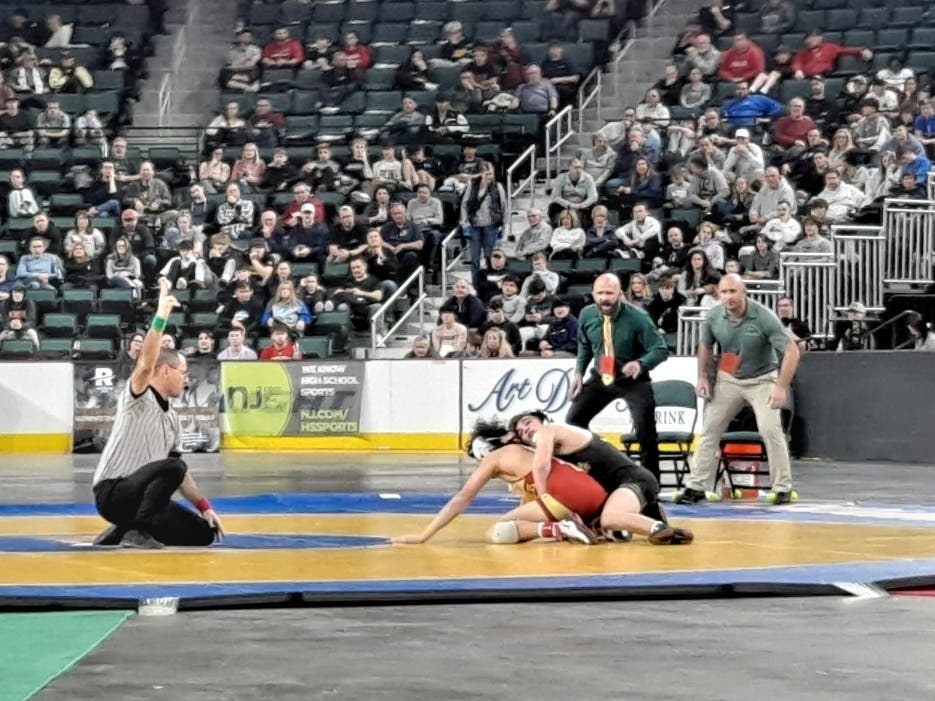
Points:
x=670, y=535
x=689, y=496
x=573, y=529
x=112, y=535
x=138, y=540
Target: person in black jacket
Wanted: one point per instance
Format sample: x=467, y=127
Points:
x=561, y=336
x=664, y=306
x=469, y=310
x=18, y=316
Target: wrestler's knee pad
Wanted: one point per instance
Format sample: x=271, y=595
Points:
x=504, y=532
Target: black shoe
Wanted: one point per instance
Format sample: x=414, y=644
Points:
x=776, y=498
x=689, y=496
x=140, y=541
x=671, y=536
x=112, y=535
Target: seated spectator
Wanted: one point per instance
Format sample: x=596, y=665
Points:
x=637, y=291
x=694, y=94
x=841, y=144
x=324, y=173
x=568, y=238
x=743, y=61
x=58, y=33
x=445, y=124
x=340, y=81
x=823, y=110
x=265, y=127
x=468, y=309
x=535, y=95
x=540, y=271
x=382, y=263
x=573, y=190
x=494, y=344
x=39, y=270
x=348, y=237
x=285, y=309
x=600, y=240
x=642, y=185
x=490, y=278
x=707, y=186
x=903, y=139
x=670, y=86
x=841, y=198
x=421, y=349
x=249, y=169
x=790, y=132
x=820, y=57
x=909, y=188
x=597, y=161
x=777, y=17
x=455, y=48
x=414, y=74
x=497, y=319
x=745, y=109
x=536, y=313
x=403, y=238
x=182, y=230
x=664, y=306
x=235, y=215
x=203, y=348
x=536, y=237
x=813, y=241
x=85, y=233
x=468, y=97
x=389, y=171
x=775, y=189
x=21, y=201
x=560, y=338
x=895, y=74
x=244, y=310
x=405, y=126
x=653, y=110
x=673, y=258
x=89, y=130
x=43, y=227
x=202, y=210
x=854, y=92
x=242, y=69
x=709, y=240
x=81, y=270
x=783, y=230
x=314, y=295
x=887, y=100
x=715, y=131
x=18, y=317
x=282, y=346
x=122, y=269
x=29, y=81
x=214, y=173
x=229, y=128
x=744, y=159
x=283, y=51
x=319, y=52
x=358, y=55
x=148, y=194
x=513, y=305
x=796, y=328
x=923, y=337
x=281, y=272
x=468, y=168
x=69, y=77
x=17, y=125
x=449, y=336
x=237, y=349
x=641, y=237
x=703, y=55
x=561, y=73
x=698, y=281
x=307, y=241
x=762, y=263
x=187, y=269
x=360, y=294
x=377, y=212
x=678, y=190
x=7, y=278
x=280, y=174
x=261, y=261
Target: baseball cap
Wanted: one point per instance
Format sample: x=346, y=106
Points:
x=858, y=308
x=742, y=134
x=559, y=302
x=308, y=208
x=129, y=214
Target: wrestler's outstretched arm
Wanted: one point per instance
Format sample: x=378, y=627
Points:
x=542, y=459
x=486, y=471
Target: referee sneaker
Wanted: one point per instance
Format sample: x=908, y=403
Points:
x=625, y=344
x=140, y=469
x=751, y=338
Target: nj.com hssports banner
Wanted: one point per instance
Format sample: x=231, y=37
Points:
x=305, y=398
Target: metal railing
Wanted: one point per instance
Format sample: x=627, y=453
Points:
x=859, y=250
x=810, y=279
x=930, y=189
x=766, y=292
x=909, y=229
x=527, y=156
x=558, y=130
x=588, y=94
x=377, y=338
x=448, y=265
x=172, y=78
x=688, y=331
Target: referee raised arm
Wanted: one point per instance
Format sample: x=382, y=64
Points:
x=140, y=468
x=625, y=345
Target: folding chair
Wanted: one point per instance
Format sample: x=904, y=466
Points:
x=674, y=446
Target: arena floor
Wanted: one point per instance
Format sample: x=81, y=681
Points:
x=695, y=625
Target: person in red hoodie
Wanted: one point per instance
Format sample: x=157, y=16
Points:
x=282, y=347
x=358, y=55
x=792, y=129
x=743, y=61
x=283, y=51
x=820, y=57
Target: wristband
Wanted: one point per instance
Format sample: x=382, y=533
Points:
x=159, y=324
x=203, y=505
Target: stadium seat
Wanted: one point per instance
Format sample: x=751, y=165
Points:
x=78, y=302
x=65, y=205
x=206, y=300
x=54, y=348
x=13, y=349
x=118, y=301
x=103, y=326
x=335, y=325
x=315, y=346
x=95, y=349
x=201, y=321
x=423, y=32
x=59, y=325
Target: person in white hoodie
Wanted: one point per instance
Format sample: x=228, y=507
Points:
x=783, y=229
x=841, y=197
x=641, y=237
x=568, y=237
x=540, y=269
x=745, y=158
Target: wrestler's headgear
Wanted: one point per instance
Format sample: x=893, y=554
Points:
x=541, y=415
x=486, y=437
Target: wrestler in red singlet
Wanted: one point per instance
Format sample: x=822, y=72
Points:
x=570, y=489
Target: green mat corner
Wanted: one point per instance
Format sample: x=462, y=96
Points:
x=35, y=648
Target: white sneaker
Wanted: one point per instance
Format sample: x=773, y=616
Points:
x=573, y=529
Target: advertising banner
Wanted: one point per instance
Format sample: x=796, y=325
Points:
x=297, y=398
x=498, y=389
x=98, y=385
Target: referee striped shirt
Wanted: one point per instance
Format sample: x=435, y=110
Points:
x=145, y=429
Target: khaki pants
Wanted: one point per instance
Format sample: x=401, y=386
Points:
x=730, y=394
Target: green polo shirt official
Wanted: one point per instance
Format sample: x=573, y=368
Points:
x=635, y=338
x=758, y=338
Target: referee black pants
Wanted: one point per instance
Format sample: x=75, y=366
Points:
x=143, y=501
x=638, y=395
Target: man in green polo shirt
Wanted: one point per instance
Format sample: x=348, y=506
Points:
x=751, y=339
x=625, y=345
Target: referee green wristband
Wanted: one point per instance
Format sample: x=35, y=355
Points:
x=159, y=324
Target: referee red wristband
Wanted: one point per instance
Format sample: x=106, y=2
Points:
x=203, y=505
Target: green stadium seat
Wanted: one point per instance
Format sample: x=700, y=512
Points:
x=54, y=348
x=60, y=325
x=118, y=301
x=78, y=302
x=103, y=326
x=95, y=349
x=13, y=349
x=315, y=346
